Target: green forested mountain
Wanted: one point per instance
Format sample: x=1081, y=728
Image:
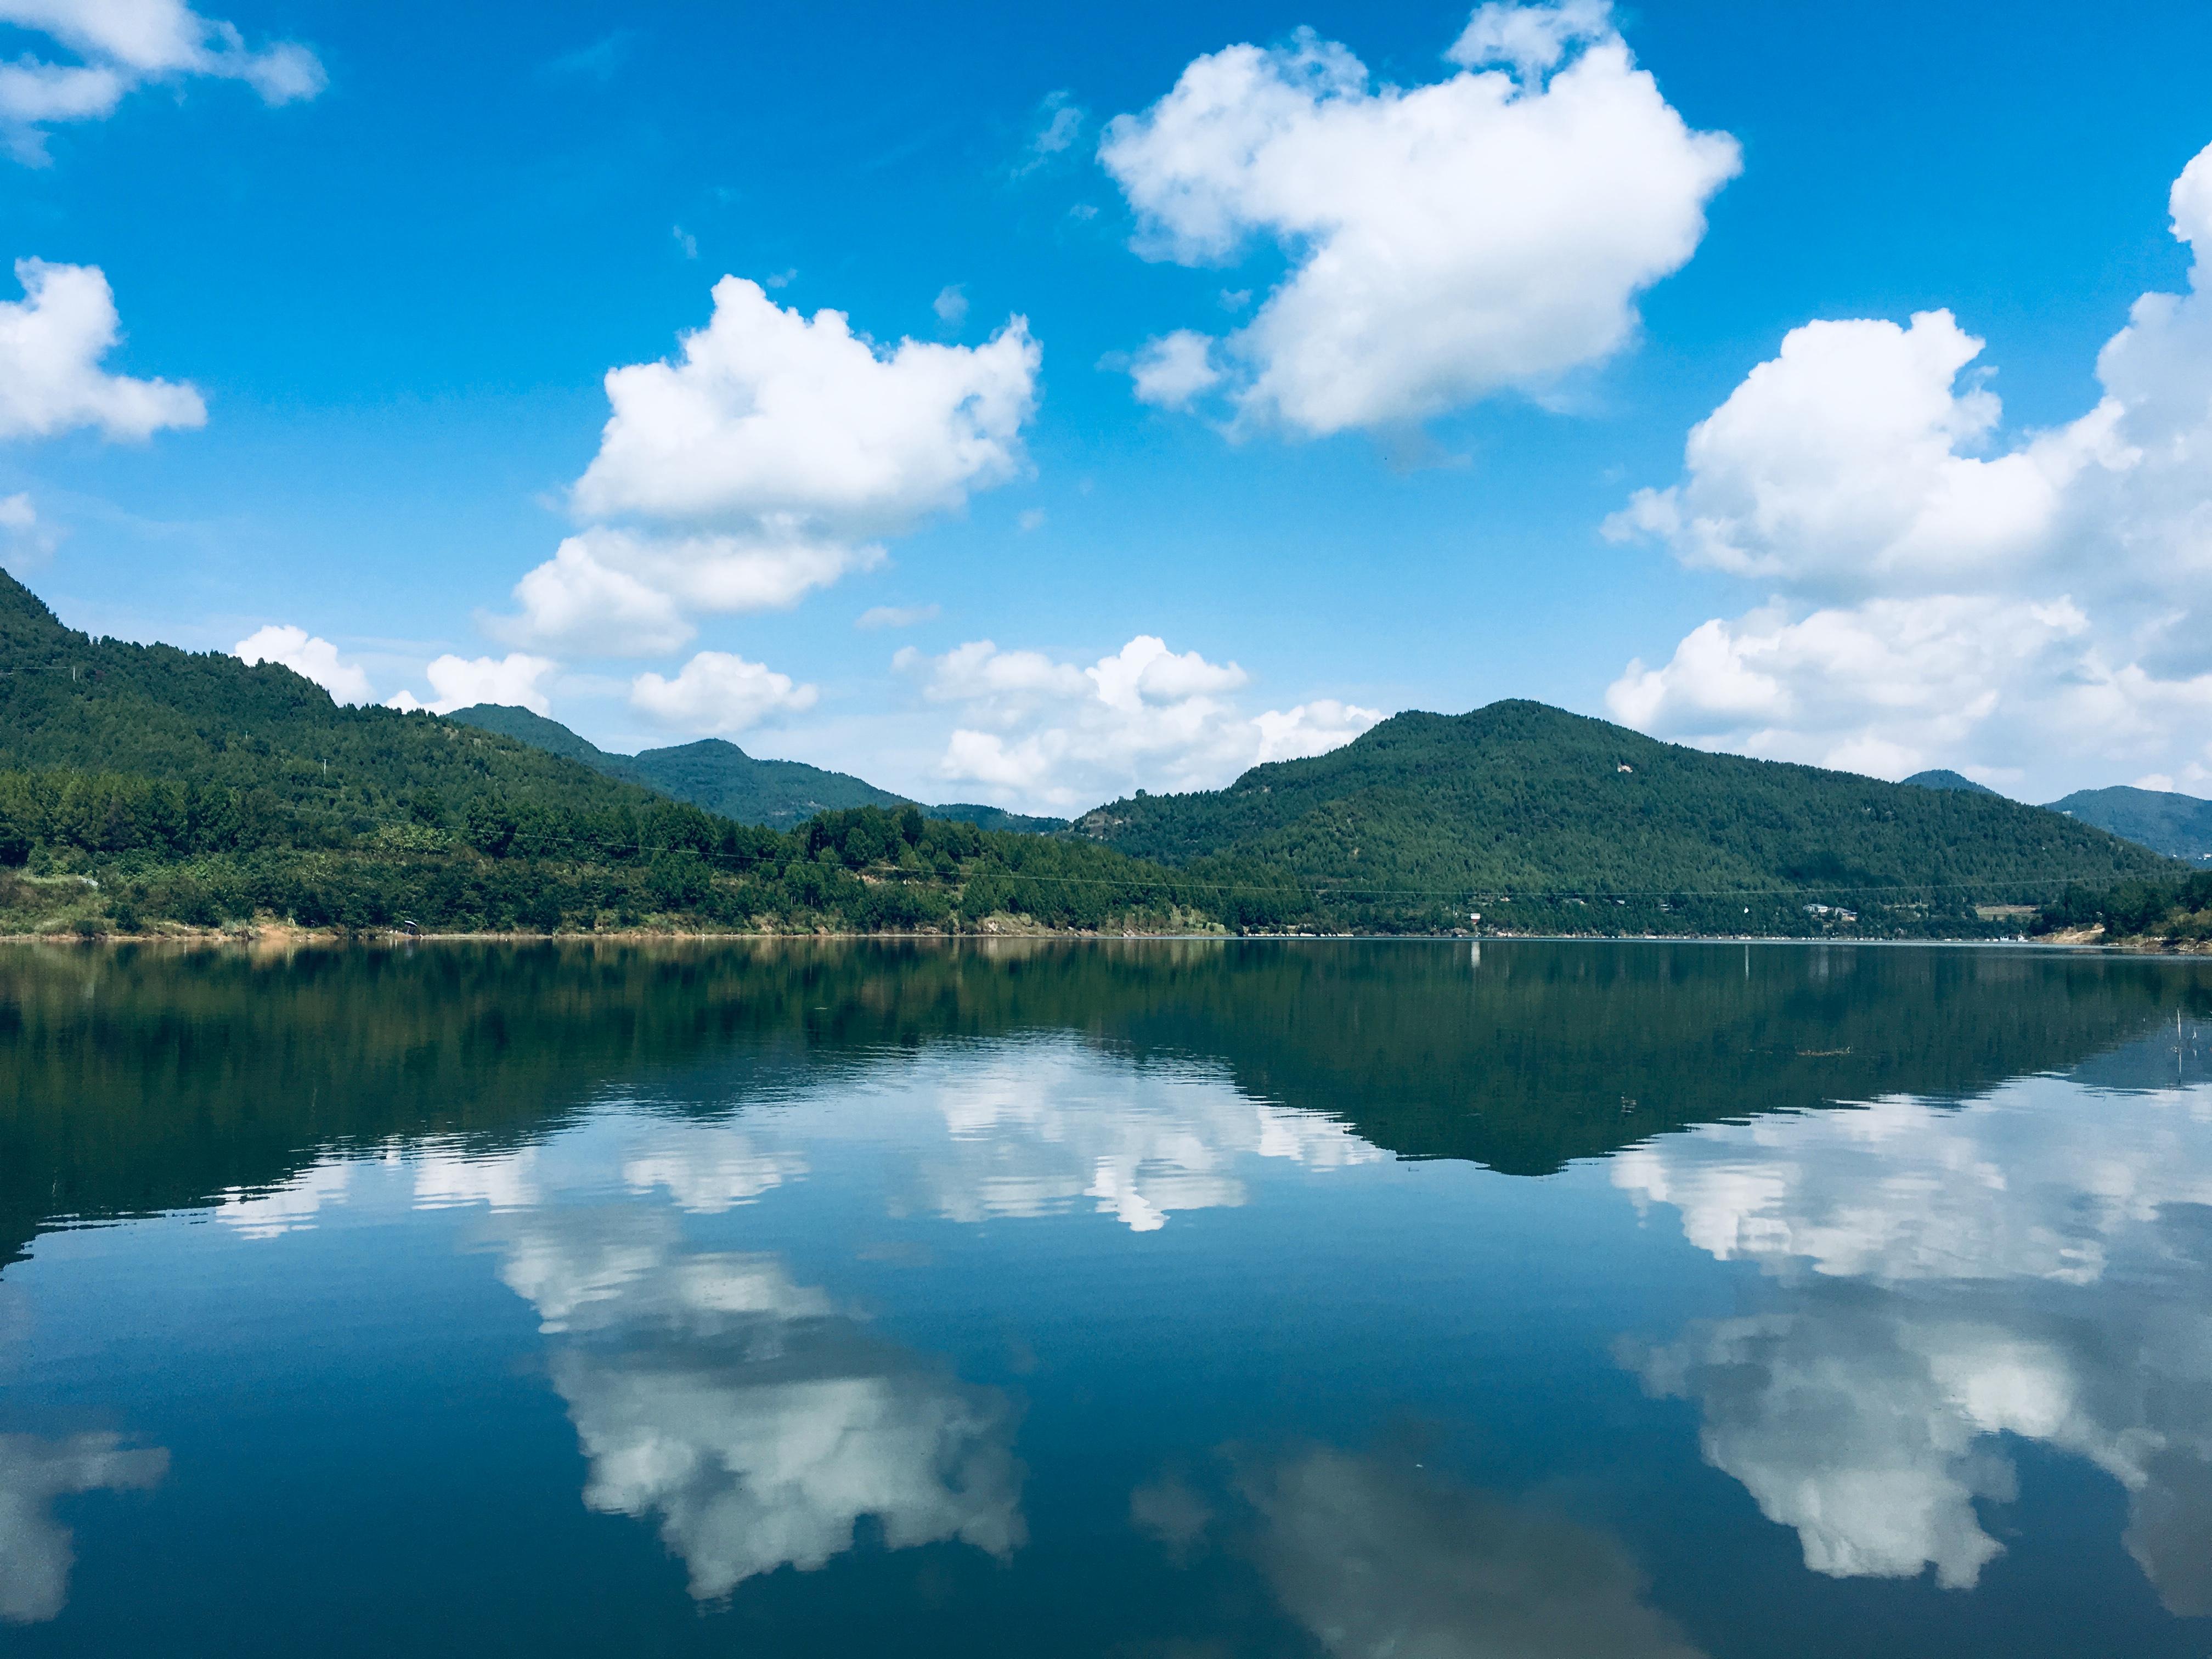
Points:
x=996, y=818
x=141, y=785
x=2179, y=826
x=526, y=726
x=711, y=772
x=208, y=720
x=722, y=778
x=1943, y=778
x=1537, y=819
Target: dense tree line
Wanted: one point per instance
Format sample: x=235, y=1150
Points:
x=2178, y=911
x=107, y=850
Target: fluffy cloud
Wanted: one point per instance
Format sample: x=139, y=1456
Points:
x=36, y=1551
x=1939, y=594
x=1042, y=732
x=623, y=592
x=769, y=417
x=120, y=46
x=1843, y=467
x=1175, y=369
x=766, y=460
x=52, y=341
x=463, y=682
x=306, y=654
x=1487, y=232
x=718, y=692
x=1942, y=1277
x=1877, y=687
x=580, y=599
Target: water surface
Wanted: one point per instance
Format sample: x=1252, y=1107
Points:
x=1560, y=1301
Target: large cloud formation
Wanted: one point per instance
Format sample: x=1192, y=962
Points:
x=52, y=342
x=1943, y=1278
x=1487, y=232
x=769, y=458
x=1939, y=594
x=120, y=46
x=1055, y=734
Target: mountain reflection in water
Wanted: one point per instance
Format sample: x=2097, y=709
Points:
x=809, y=1296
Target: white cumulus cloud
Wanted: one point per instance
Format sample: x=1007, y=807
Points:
x=718, y=692
x=308, y=655
x=120, y=45
x=1039, y=731
x=1938, y=591
x=515, y=679
x=1175, y=369
x=52, y=342
x=586, y=597
x=1487, y=232
x=766, y=460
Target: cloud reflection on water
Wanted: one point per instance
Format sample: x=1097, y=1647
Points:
x=758, y=1421
x=36, y=1550
x=2033, y=1265
x=1038, y=1129
x=1377, y=1558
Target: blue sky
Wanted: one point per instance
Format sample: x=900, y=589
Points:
x=397, y=264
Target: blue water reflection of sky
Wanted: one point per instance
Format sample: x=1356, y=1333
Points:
x=971, y=1337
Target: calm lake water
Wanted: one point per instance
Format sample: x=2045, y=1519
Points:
x=1541, y=1301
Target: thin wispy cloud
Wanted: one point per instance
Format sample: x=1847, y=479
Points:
x=600, y=61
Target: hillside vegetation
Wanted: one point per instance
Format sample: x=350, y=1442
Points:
x=2172, y=913
x=2177, y=825
x=724, y=779
x=1542, y=820
x=140, y=785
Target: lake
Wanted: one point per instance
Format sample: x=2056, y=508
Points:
x=1178, y=1298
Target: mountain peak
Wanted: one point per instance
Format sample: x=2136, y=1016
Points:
x=1943, y=778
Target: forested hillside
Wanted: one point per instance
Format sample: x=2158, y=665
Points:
x=277, y=741
x=1540, y=820
x=724, y=779
x=143, y=785
x=711, y=773
x=2177, y=825
x=1943, y=778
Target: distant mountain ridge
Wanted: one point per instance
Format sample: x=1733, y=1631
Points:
x=1943, y=778
x=2180, y=826
x=2177, y=825
x=1540, y=817
x=721, y=778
